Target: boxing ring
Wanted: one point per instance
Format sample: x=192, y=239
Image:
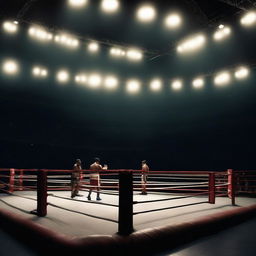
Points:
x=173, y=198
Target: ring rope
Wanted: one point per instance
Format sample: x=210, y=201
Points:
x=89, y=202
x=185, y=185
x=102, y=192
x=89, y=215
x=168, y=199
x=13, y=194
x=16, y=186
x=167, y=208
x=176, y=178
x=15, y=207
x=177, y=187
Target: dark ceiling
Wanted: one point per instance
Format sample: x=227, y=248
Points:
x=45, y=125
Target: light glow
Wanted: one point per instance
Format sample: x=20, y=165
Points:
x=111, y=82
x=222, y=33
x=62, y=76
x=81, y=78
x=134, y=55
x=77, y=3
x=93, y=47
x=10, y=67
x=10, y=27
x=198, y=83
x=177, y=84
x=156, y=84
x=109, y=6
x=146, y=13
x=173, y=21
x=94, y=80
x=241, y=73
x=117, y=52
x=222, y=78
x=248, y=19
x=40, y=34
x=39, y=72
x=133, y=86
x=66, y=40
x=192, y=44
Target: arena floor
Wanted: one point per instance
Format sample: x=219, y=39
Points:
x=80, y=219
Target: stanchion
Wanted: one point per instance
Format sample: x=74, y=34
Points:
x=11, y=181
x=212, y=188
x=231, y=185
x=125, y=215
x=21, y=180
x=41, y=194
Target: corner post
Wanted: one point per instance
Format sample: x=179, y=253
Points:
x=41, y=210
x=231, y=186
x=211, y=183
x=125, y=214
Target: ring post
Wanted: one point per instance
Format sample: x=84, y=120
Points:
x=212, y=188
x=41, y=193
x=11, y=181
x=125, y=214
x=21, y=180
x=231, y=185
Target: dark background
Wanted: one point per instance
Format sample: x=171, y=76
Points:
x=47, y=125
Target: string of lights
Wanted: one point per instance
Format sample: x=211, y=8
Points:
x=95, y=80
x=145, y=13
x=73, y=42
x=133, y=54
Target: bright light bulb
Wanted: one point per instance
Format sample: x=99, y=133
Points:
x=177, y=84
x=146, y=13
x=78, y=78
x=242, y=73
x=134, y=54
x=44, y=72
x=192, y=44
x=222, y=78
x=117, y=52
x=40, y=34
x=39, y=72
x=248, y=19
x=81, y=78
x=36, y=71
x=93, y=47
x=133, y=86
x=77, y=3
x=109, y=6
x=10, y=27
x=110, y=82
x=173, y=21
x=95, y=80
x=221, y=33
x=10, y=67
x=63, y=76
x=198, y=83
x=156, y=85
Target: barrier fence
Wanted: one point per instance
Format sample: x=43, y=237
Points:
x=125, y=183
